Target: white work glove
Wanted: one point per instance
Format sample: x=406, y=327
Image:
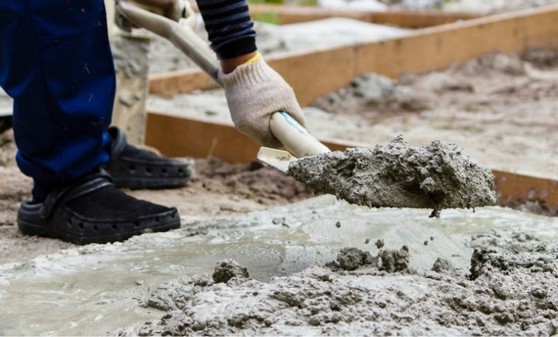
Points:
x=254, y=92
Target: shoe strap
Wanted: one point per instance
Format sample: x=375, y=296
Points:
x=119, y=141
x=88, y=184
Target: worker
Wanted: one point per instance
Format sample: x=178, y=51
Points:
x=56, y=63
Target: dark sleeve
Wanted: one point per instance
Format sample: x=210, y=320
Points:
x=230, y=28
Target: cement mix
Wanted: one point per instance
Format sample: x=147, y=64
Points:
x=102, y=289
x=505, y=294
x=501, y=283
x=434, y=176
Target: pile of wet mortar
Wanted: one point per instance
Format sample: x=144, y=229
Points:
x=434, y=176
x=510, y=290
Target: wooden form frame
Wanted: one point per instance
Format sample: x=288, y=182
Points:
x=316, y=73
x=284, y=14
x=201, y=139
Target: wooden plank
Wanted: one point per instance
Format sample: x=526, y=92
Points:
x=436, y=48
x=282, y=14
x=198, y=138
x=183, y=81
x=187, y=137
x=316, y=73
x=514, y=189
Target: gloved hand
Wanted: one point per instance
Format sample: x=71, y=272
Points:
x=254, y=92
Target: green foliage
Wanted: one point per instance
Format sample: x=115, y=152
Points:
x=268, y=17
x=265, y=1
x=271, y=17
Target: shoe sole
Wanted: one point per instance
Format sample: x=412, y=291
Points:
x=136, y=183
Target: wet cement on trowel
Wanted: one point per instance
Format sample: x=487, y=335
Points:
x=510, y=289
x=434, y=176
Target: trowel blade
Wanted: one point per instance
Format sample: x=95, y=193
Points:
x=278, y=159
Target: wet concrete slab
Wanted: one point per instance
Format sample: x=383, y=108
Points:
x=98, y=289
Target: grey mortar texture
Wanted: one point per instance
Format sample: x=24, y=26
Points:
x=436, y=176
x=511, y=289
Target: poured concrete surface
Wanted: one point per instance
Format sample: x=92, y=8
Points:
x=99, y=289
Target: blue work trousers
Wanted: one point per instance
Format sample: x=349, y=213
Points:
x=56, y=63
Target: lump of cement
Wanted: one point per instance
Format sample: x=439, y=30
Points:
x=354, y=258
x=394, y=261
x=442, y=265
x=435, y=176
x=380, y=243
x=502, y=254
x=228, y=269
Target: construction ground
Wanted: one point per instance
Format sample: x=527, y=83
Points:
x=259, y=253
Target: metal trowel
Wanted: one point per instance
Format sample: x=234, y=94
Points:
x=296, y=140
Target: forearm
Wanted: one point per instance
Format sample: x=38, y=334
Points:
x=230, y=29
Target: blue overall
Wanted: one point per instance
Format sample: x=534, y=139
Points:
x=56, y=63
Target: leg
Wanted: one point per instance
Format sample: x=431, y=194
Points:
x=56, y=63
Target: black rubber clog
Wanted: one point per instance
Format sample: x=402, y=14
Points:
x=94, y=211
x=135, y=168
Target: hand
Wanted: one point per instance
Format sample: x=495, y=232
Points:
x=254, y=92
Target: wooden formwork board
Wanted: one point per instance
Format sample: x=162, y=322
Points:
x=282, y=14
x=517, y=188
x=199, y=138
x=316, y=73
x=187, y=137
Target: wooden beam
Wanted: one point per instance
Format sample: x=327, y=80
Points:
x=188, y=137
x=282, y=14
x=183, y=81
x=440, y=47
x=316, y=73
x=199, y=138
x=514, y=189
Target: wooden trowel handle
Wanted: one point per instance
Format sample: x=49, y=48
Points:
x=296, y=139
x=183, y=37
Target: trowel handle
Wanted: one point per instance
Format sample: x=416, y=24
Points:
x=183, y=37
x=296, y=139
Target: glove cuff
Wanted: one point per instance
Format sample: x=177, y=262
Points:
x=253, y=72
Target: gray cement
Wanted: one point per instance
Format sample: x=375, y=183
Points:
x=118, y=288
x=504, y=294
x=434, y=176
